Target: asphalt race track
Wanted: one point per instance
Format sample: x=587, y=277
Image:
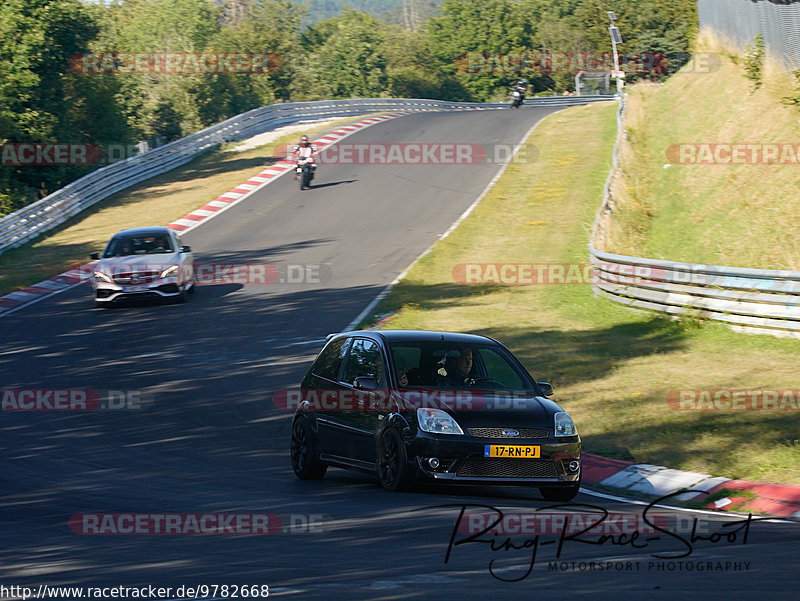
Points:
x=207, y=439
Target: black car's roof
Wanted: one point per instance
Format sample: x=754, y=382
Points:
x=423, y=336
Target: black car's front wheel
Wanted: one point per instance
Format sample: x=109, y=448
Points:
x=305, y=460
x=393, y=462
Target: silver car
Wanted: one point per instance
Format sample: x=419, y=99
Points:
x=143, y=262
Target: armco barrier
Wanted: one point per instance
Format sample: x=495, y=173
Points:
x=762, y=301
x=753, y=299
x=36, y=218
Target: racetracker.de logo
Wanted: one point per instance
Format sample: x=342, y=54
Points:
x=175, y=523
x=555, y=523
x=540, y=63
x=127, y=63
x=207, y=274
x=71, y=399
x=346, y=399
x=34, y=154
x=422, y=153
x=721, y=399
x=262, y=274
x=41, y=155
x=532, y=274
x=726, y=153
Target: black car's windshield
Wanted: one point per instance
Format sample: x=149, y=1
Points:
x=152, y=244
x=453, y=365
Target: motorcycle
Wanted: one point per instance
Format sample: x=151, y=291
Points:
x=304, y=171
x=517, y=96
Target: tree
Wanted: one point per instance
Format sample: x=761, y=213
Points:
x=41, y=101
x=350, y=62
x=473, y=40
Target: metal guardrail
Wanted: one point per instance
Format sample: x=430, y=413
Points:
x=34, y=219
x=762, y=301
x=752, y=299
x=739, y=21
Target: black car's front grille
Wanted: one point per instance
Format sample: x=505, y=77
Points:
x=496, y=467
x=524, y=433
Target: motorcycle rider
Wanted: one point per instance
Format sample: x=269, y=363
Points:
x=305, y=151
x=521, y=86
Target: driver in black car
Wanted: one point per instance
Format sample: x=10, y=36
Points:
x=456, y=370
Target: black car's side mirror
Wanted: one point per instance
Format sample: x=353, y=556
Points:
x=95, y=256
x=365, y=383
x=547, y=388
x=186, y=249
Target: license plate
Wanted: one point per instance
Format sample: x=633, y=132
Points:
x=140, y=288
x=512, y=451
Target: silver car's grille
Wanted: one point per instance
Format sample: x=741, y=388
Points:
x=524, y=433
x=135, y=277
x=495, y=467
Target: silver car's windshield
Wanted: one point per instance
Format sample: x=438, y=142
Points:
x=151, y=244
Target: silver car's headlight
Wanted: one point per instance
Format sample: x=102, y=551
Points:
x=437, y=421
x=564, y=426
x=99, y=275
x=168, y=271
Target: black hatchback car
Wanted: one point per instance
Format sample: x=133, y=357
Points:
x=441, y=406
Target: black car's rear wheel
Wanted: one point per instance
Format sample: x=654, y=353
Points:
x=560, y=493
x=393, y=462
x=305, y=459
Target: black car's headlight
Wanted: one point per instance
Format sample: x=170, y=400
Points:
x=564, y=426
x=437, y=421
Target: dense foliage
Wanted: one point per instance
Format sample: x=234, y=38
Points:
x=48, y=96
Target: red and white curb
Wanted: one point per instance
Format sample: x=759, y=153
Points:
x=657, y=481
x=21, y=298
x=242, y=191
x=32, y=294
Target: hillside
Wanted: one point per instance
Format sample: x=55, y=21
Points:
x=389, y=10
x=681, y=197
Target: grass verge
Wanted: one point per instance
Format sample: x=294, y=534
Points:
x=612, y=368
x=676, y=204
x=158, y=201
